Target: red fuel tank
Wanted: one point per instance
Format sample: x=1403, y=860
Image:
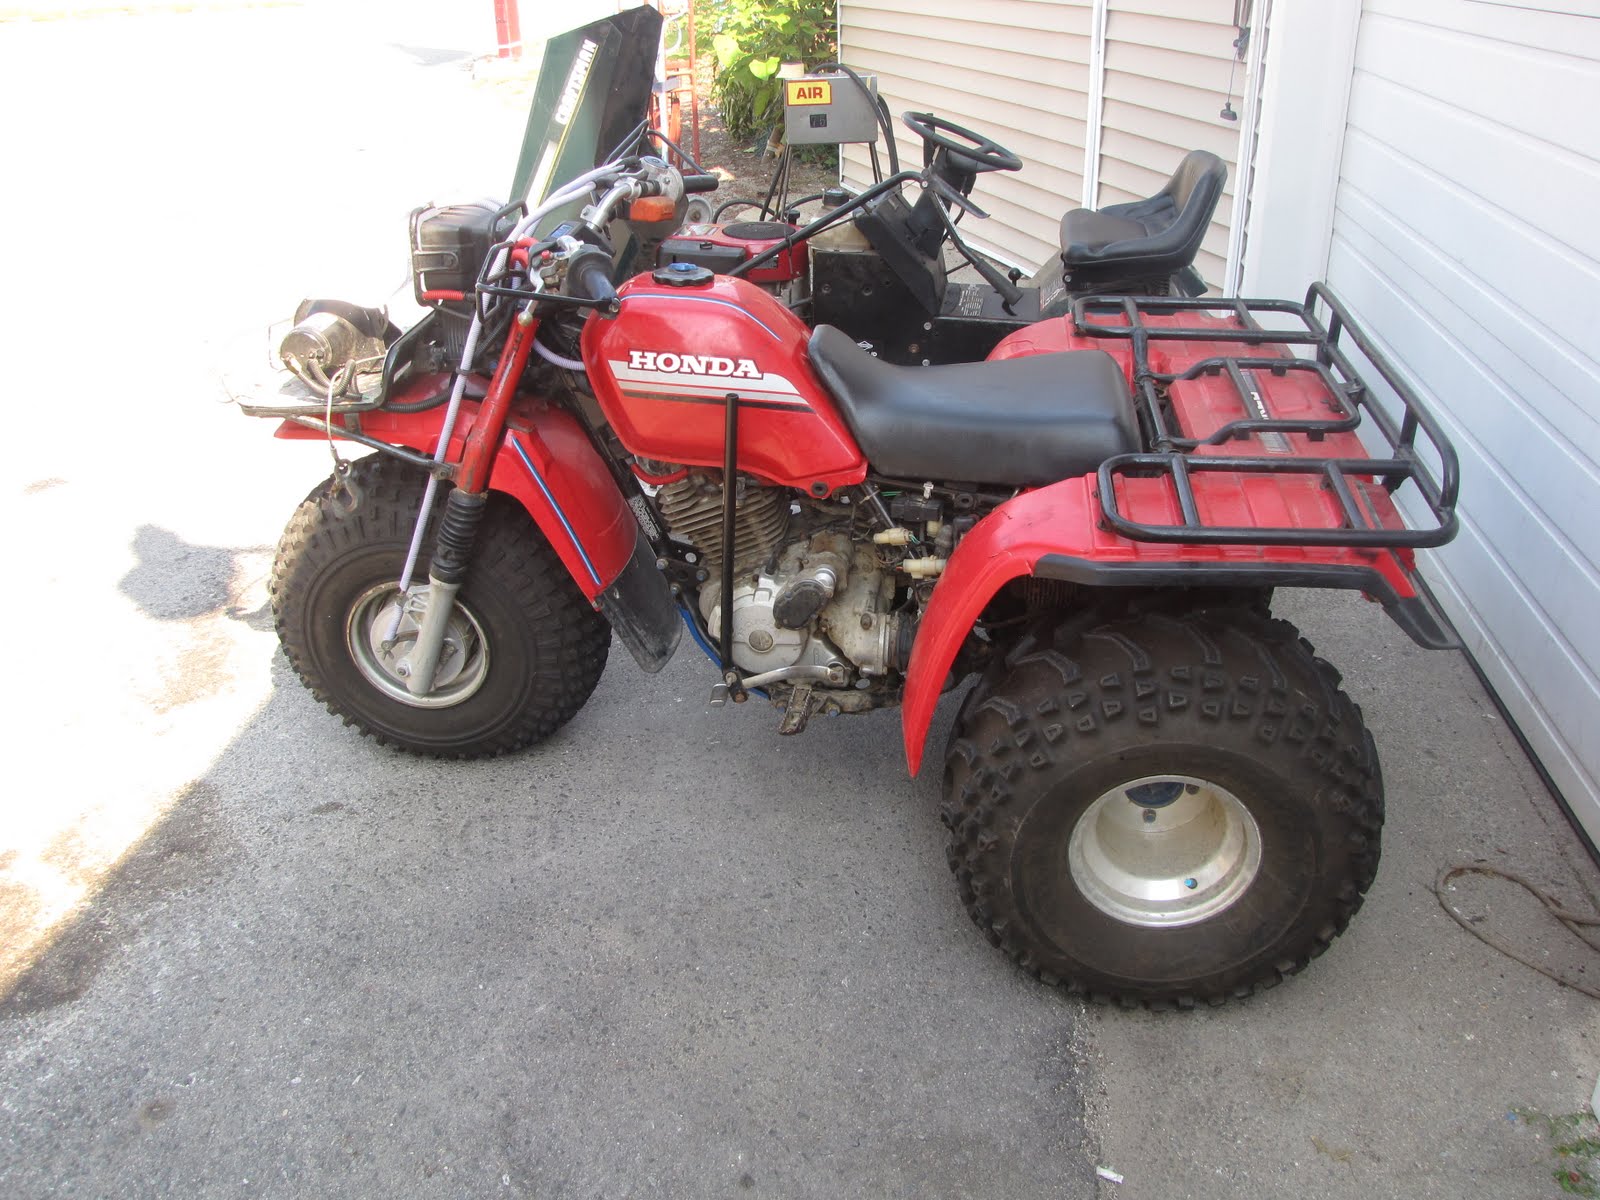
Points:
x=663, y=367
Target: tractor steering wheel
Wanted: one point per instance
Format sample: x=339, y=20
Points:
x=978, y=153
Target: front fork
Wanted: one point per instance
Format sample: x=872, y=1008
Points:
x=463, y=511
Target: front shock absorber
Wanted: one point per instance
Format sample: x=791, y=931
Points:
x=464, y=509
x=463, y=513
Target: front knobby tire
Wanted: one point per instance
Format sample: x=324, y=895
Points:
x=1163, y=810
x=525, y=648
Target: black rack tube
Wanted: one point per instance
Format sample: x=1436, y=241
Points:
x=1185, y=490
x=1347, y=499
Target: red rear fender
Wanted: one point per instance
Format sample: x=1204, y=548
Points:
x=1005, y=544
x=1056, y=532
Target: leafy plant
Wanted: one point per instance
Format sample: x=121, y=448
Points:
x=1575, y=1143
x=752, y=39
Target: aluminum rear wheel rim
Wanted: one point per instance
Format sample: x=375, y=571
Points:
x=1164, y=851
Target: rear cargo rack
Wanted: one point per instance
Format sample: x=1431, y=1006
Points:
x=1196, y=468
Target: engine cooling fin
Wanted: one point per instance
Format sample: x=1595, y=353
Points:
x=692, y=509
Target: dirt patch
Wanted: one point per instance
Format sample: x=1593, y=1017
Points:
x=747, y=168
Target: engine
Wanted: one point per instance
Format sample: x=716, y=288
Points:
x=805, y=592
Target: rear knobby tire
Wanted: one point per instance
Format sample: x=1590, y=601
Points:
x=542, y=645
x=1248, y=838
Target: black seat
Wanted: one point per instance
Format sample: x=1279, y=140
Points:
x=1150, y=239
x=1019, y=422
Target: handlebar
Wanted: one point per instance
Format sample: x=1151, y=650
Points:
x=579, y=249
x=637, y=178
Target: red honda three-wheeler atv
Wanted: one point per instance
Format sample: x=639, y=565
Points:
x=1156, y=792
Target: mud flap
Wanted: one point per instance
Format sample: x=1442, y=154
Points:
x=641, y=610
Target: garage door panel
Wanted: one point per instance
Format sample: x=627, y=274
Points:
x=1551, y=701
x=1512, y=85
x=1540, y=24
x=1518, y=275
x=1530, y=179
x=1464, y=236
x=1499, y=371
x=1518, y=472
x=1533, y=546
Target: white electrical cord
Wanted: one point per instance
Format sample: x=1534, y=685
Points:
x=550, y=356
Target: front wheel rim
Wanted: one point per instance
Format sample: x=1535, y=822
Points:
x=1165, y=851
x=382, y=660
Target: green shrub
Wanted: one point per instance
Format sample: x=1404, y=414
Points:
x=752, y=39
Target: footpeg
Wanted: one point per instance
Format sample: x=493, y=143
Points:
x=719, y=695
x=798, y=711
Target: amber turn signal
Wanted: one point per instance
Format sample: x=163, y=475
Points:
x=653, y=208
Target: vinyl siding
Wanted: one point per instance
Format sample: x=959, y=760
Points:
x=1016, y=70
x=1166, y=76
x=1463, y=233
x=1019, y=70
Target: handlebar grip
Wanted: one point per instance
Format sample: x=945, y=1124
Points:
x=700, y=183
x=589, y=277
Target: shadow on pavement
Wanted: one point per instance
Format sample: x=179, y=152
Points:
x=176, y=581
x=663, y=951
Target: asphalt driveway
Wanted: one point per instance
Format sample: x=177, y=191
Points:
x=244, y=951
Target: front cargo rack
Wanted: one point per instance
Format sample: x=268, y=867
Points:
x=1203, y=404
x=397, y=365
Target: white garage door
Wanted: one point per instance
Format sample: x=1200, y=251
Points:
x=1465, y=231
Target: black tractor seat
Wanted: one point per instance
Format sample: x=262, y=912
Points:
x=1020, y=422
x=1145, y=239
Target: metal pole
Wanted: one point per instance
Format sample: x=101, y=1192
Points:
x=514, y=28
x=694, y=85
x=508, y=28
x=730, y=500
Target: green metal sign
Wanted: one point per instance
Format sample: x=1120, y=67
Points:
x=593, y=91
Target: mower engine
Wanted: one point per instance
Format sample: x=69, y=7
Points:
x=332, y=342
x=720, y=248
